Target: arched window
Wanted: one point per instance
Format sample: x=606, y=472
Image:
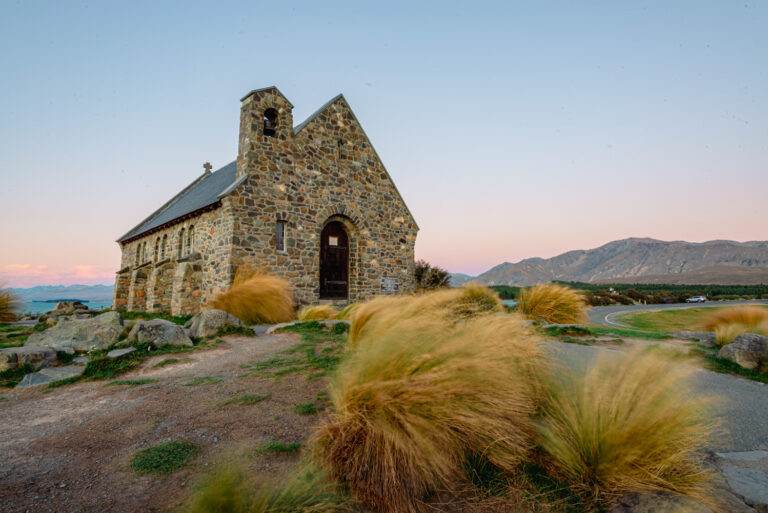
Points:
x=270, y=122
x=157, y=250
x=137, y=258
x=180, y=251
x=191, y=240
x=141, y=252
x=164, y=247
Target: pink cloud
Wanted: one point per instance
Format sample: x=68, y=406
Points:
x=26, y=275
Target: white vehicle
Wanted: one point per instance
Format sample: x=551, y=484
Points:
x=696, y=299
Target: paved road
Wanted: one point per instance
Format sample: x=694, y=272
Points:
x=607, y=314
x=742, y=404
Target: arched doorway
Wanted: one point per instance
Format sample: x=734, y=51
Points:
x=334, y=262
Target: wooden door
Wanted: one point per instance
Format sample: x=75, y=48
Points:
x=334, y=262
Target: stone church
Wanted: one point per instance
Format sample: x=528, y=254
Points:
x=312, y=203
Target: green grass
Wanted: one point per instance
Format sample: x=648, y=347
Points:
x=64, y=357
x=203, y=380
x=308, y=408
x=164, y=458
x=245, y=400
x=243, y=331
x=318, y=353
x=486, y=477
x=14, y=336
x=11, y=377
x=131, y=382
x=147, y=316
x=171, y=361
x=563, y=332
x=724, y=366
x=278, y=447
x=668, y=321
x=3, y=398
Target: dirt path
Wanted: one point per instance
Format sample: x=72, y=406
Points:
x=68, y=449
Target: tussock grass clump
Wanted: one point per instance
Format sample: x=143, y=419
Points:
x=259, y=299
x=729, y=323
x=553, y=304
x=417, y=395
x=317, y=313
x=227, y=490
x=474, y=299
x=9, y=305
x=347, y=312
x=621, y=426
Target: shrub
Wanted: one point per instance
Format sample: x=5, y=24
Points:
x=728, y=323
x=553, y=304
x=259, y=299
x=430, y=277
x=9, y=305
x=317, y=313
x=420, y=393
x=164, y=458
x=306, y=492
x=621, y=426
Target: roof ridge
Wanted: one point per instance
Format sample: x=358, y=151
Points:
x=312, y=116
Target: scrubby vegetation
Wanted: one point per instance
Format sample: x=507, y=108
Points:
x=728, y=323
x=164, y=458
x=9, y=305
x=257, y=299
x=148, y=316
x=429, y=277
x=347, y=311
x=553, y=303
x=317, y=313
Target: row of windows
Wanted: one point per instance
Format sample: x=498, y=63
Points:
x=185, y=246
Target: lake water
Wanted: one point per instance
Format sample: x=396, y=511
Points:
x=40, y=307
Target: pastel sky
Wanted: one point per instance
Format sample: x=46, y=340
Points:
x=512, y=129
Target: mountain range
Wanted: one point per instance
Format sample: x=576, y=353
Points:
x=53, y=292
x=640, y=260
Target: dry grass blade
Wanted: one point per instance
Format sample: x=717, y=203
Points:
x=317, y=313
x=728, y=323
x=553, y=303
x=9, y=305
x=348, y=311
x=628, y=423
x=259, y=299
x=417, y=394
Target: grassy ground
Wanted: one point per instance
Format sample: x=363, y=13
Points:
x=13, y=336
x=668, y=321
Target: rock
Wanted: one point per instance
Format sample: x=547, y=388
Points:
x=158, y=332
x=65, y=308
x=117, y=353
x=750, y=483
x=744, y=456
x=37, y=356
x=50, y=375
x=705, y=338
x=83, y=360
x=80, y=334
x=657, y=502
x=208, y=322
x=748, y=349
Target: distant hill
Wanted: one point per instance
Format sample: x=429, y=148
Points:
x=641, y=259
x=459, y=279
x=52, y=292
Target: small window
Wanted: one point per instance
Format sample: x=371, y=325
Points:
x=190, y=240
x=157, y=249
x=164, y=247
x=280, y=236
x=137, y=258
x=270, y=122
x=180, y=250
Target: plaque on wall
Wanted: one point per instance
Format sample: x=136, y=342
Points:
x=389, y=284
x=333, y=241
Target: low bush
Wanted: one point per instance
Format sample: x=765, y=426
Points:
x=728, y=323
x=11, y=377
x=418, y=394
x=260, y=299
x=9, y=305
x=278, y=447
x=553, y=303
x=308, y=408
x=620, y=426
x=317, y=313
x=429, y=277
x=164, y=458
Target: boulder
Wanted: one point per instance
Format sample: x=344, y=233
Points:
x=158, y=332
x=748, y=349
x=80, y=334
x=117, y=353
x=65, y=308
x=50, y=375
x=208, y=322
x=750, y=483
x=37, y=356
x=705, y=338
x=657, y=502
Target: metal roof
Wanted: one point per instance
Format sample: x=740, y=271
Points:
x=201, y=193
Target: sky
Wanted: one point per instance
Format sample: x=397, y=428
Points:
x=512, y=129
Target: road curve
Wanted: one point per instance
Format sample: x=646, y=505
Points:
x=607, y=314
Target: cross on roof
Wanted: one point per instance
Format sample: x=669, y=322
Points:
x=207, y=166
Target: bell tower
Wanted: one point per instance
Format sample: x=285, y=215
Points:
x=266, y=133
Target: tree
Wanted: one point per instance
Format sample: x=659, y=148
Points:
x=430, y=277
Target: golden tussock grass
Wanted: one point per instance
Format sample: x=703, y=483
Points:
x=9, y=305
x=317, y=313
x=416, y=394
x=627, y=423
x=728, y=323
x=347, y=312
x=307, y=491
x=257, y=299
x=553, y=303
